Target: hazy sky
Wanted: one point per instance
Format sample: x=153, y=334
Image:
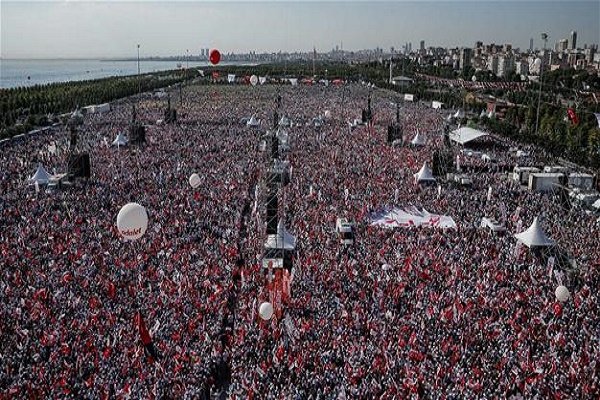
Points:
x=112, y=28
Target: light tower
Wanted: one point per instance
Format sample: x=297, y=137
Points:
x=537, y=117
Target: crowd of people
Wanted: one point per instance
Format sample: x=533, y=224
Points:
x=403, y=313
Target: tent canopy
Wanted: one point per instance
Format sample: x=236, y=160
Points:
x=465, y=135
x=253, y=121
x=41, y=176
x=534, y=236
x=418, y=140
x=120, y=140
x=285, y=121
x=424, y=174
x=282, y=240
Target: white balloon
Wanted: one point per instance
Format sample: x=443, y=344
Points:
x=327, y=114
x=195, y=181
x=265, y=311
x=132, y=221
x=562, y=294
x=254, y=80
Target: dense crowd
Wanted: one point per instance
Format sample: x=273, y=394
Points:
x=404, y=313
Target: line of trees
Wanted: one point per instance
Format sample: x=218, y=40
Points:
x=23, y=108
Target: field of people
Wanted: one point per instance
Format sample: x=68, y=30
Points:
x=403, y=313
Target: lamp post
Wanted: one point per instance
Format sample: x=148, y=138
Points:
x=537, y=117
x=138, y=67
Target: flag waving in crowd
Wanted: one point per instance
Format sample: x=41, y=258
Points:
x=146, y=338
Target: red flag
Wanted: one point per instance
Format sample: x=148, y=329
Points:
x=572, y=116
x=144, y=334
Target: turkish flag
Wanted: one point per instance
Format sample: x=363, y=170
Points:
x=572, y=116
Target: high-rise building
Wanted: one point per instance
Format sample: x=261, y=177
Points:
x=478, y=45
x=506, y=65
x=522, y=67
x=590, y=52
x=507, y=47
x=531, y=45
x=573, y=40
x=493, y=64
x=563, y=45
x=422, y=46
x=465, y=58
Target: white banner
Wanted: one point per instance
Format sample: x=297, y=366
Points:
x=411, y=216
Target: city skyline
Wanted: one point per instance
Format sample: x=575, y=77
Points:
x=112, y=29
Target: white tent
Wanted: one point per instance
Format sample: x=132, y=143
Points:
x=459, y=114
x=41, y=176
x=285, y=121
x=230, y=78
x=437, y=105
x=282, y=240
x=534, y=236
x=411, y=217
x=424, y=174
x=120, y=140
x=262, y=80
x=294, y=81
x=418, y=140
x=465, y=134
x=253, y=121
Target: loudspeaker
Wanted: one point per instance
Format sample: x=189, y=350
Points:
x=394, y=133
x=137, y=134
x=79, y=166
x=170, y=116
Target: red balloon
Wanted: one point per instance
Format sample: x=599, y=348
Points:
x=214, y=56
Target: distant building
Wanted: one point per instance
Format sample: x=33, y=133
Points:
x=506, y=65
x=561, y=45
x=465, y=58
x=574, y=40
x=479, y=45
x=589, y=53
x=493, y=64
x=422, y=46
x=531, y=45
x=507, y=47
x=522, y=67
